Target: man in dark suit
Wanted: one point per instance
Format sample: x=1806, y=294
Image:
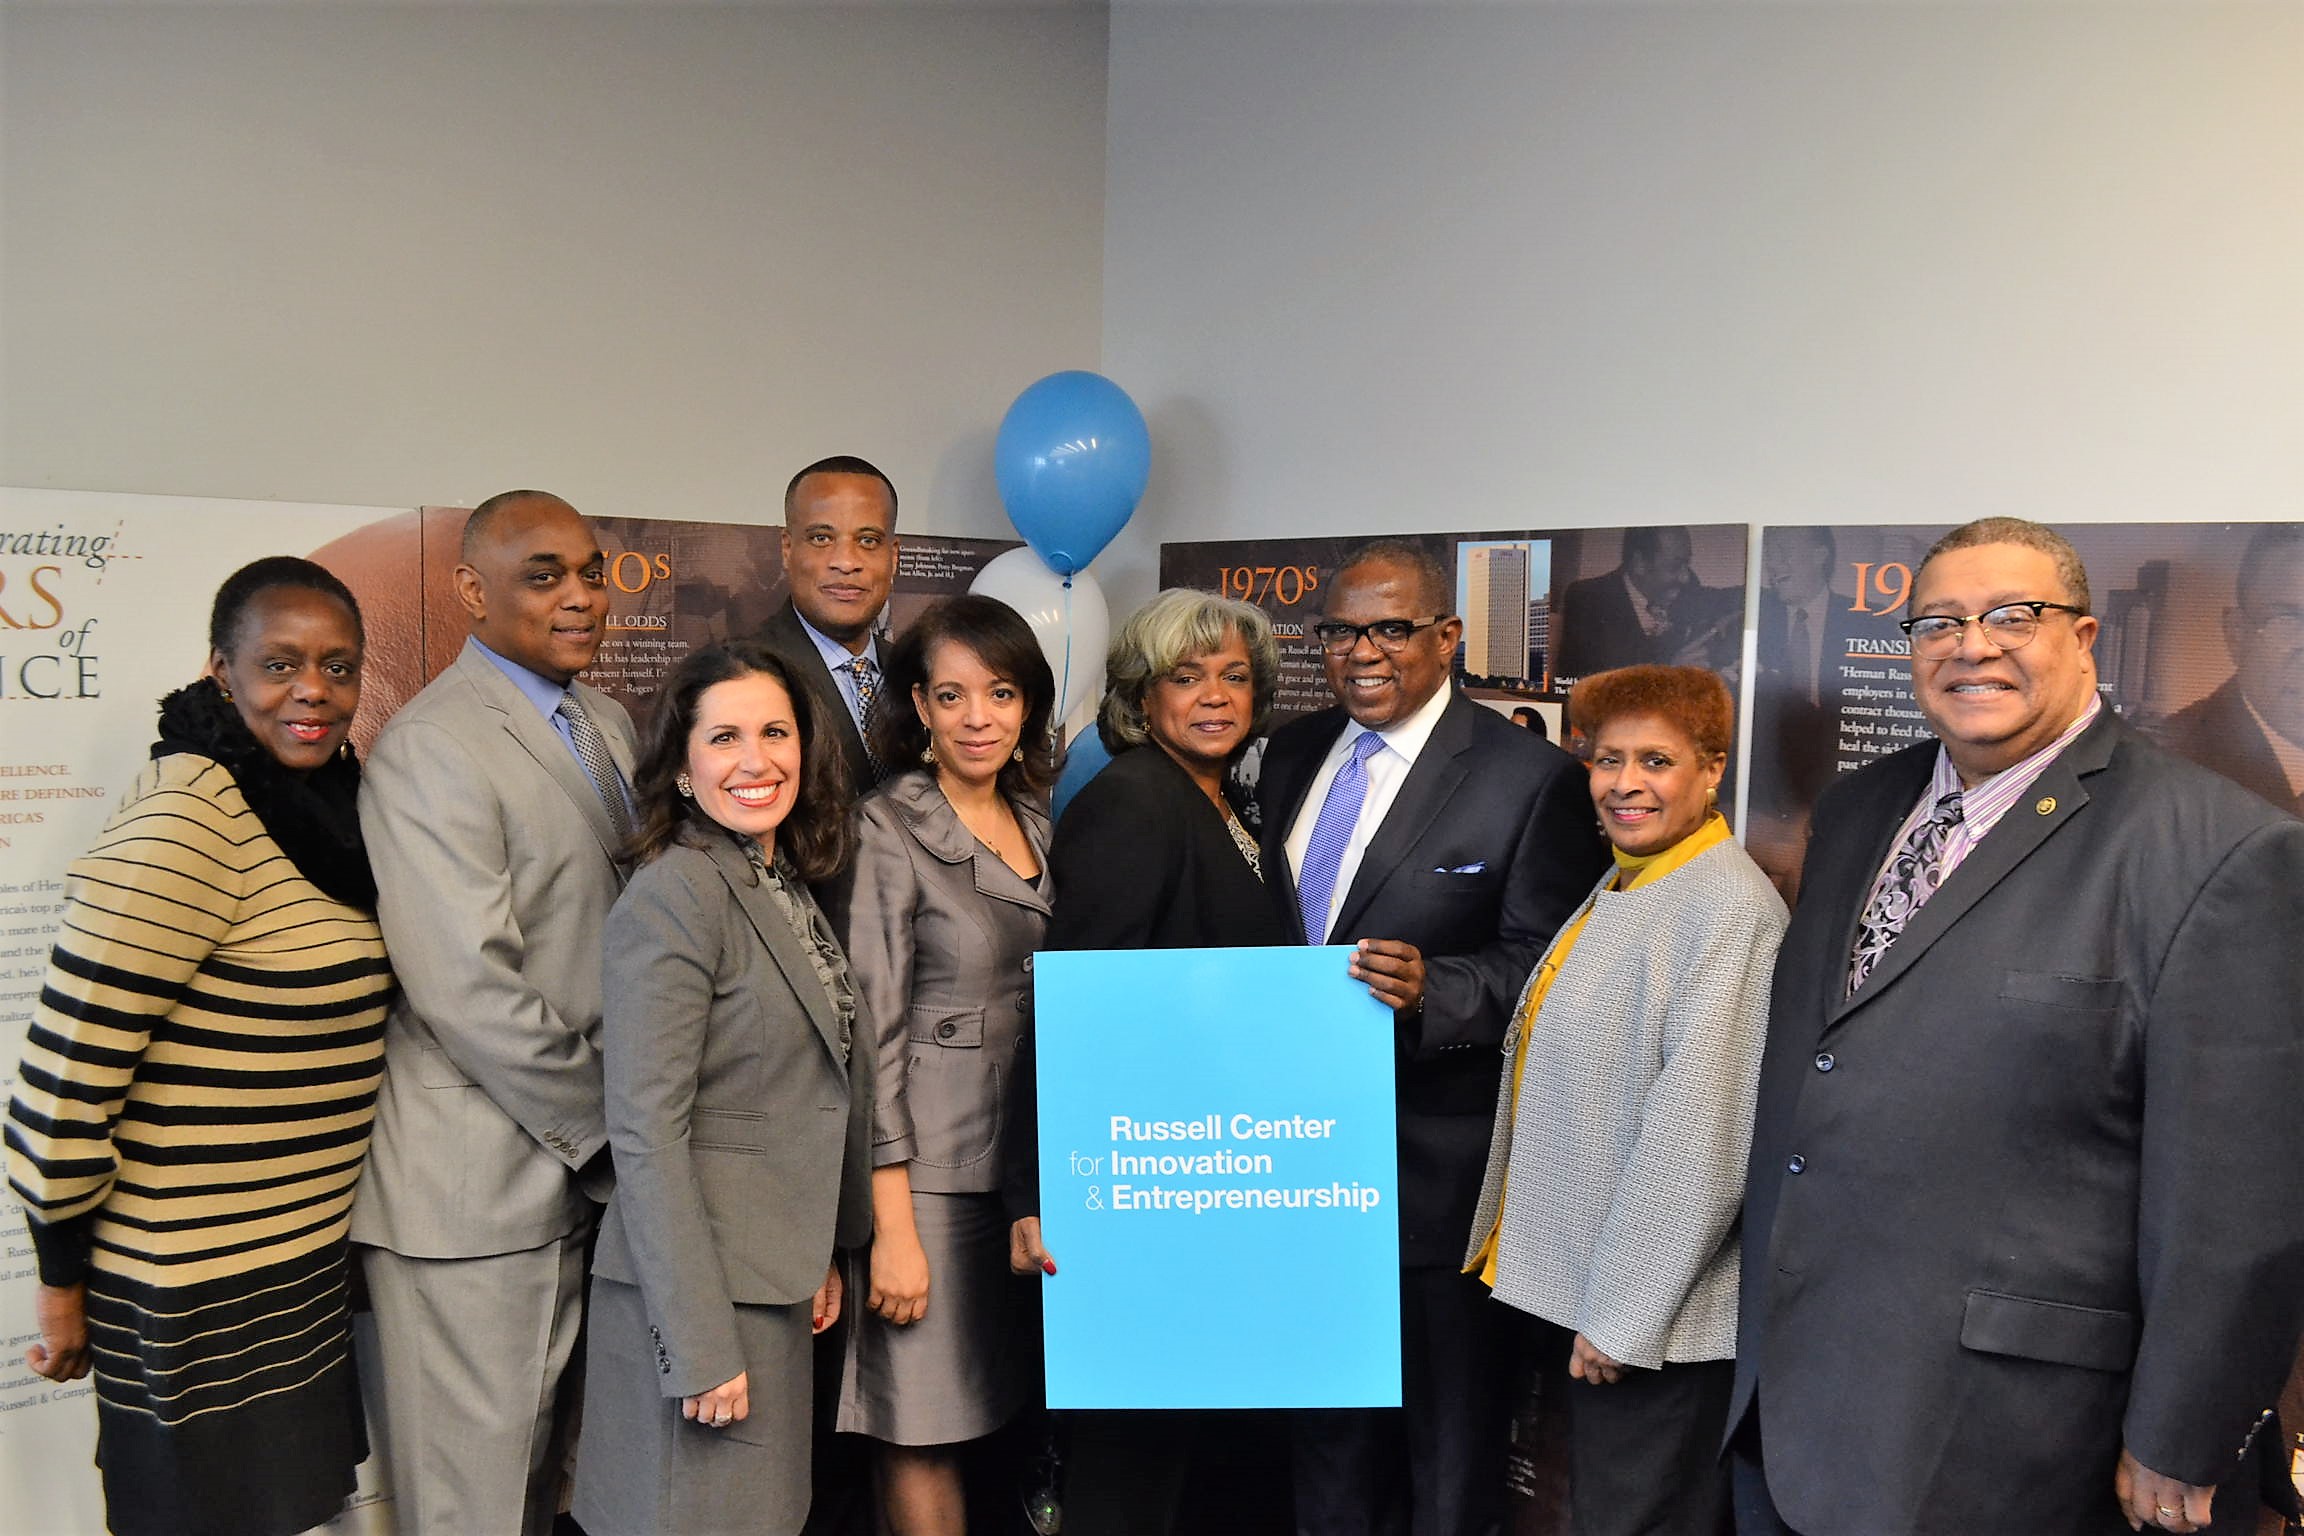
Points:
x=840, y=560
x=1651, y=608
x=1448, y=845
x=2023, y=1237
x=2251, y=729
x=839, y=548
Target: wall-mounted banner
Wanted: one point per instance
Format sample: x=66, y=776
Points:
x=2200, y=644
x=1217, y=1122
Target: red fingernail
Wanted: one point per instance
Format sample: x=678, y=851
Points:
x=819, y=1319
x=1049, y=1265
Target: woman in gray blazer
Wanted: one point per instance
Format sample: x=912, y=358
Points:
x=1616, y=1172
x=738, y=1121
x=948, y=899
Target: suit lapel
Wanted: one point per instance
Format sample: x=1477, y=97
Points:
x=785, y=947
x=1423, y=794
x=1289, y=767
x=2054, y=799
x=938, y=828
x=799, y=648
x=525, y=725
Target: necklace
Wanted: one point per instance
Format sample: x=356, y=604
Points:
x=970, y=816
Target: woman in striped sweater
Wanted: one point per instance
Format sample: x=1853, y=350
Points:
x=193, y=1104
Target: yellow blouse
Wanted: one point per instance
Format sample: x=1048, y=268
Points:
x=1632, y=872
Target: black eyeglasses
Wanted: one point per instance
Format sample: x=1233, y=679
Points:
x=1389, y=635
x=2008, y=627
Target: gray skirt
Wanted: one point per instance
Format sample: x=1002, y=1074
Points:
x=643, y=1469
x=961, y=1371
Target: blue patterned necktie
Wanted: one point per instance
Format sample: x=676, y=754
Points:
x=867, y=679
x=1331, y=834
x=1911, y=878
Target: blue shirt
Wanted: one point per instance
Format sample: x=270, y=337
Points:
x=546, y=695
x=836, y=658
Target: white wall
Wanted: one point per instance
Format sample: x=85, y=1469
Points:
x=654, y=257
x=1438, y=267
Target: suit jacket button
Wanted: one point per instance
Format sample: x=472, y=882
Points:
x=946, y=1031
x=1824, y=1062
x=1795, y=1164
x=1023, y=1002
x=1027, y=962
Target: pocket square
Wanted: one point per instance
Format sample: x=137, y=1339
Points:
x=1476, y=867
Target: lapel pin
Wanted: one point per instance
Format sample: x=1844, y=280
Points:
x=2045, y=805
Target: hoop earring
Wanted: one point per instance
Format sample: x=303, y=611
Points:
x=685, y=785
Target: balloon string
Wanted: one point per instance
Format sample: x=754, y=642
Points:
x=1064, y=689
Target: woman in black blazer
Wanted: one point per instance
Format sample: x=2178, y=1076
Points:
x=1151, y=854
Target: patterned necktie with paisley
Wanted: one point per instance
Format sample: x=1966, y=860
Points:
x=1910, y=879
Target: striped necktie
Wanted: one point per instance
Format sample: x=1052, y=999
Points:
x=1331, y=834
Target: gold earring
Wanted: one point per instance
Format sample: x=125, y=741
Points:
x=227, y=692
x=1016, y=756
x=344, y=749
x=685, y=785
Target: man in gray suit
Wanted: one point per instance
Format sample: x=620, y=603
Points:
x=495, y=806
x=840, y=559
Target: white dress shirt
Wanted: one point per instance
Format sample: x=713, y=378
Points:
x=1387, y=771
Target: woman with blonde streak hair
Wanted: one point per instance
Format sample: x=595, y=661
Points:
x=1151, y=854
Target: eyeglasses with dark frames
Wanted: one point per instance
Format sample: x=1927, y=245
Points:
x=1388, y=635
x=2007, y=627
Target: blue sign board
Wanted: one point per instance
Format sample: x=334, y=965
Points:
x=1217, y=1180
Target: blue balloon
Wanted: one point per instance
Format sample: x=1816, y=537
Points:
x=1083, y=760
x=1072, y=458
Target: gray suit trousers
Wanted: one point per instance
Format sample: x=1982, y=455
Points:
x=475, y=1356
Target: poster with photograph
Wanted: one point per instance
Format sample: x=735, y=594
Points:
x=2200, y=645
x=1540, y=608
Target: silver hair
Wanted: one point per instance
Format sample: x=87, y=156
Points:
x=1174, y=627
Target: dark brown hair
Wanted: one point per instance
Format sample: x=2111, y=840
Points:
x=1003, y=642
x=816, y=837
x=1691, y=699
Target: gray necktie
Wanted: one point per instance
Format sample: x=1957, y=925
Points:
x=592, y=752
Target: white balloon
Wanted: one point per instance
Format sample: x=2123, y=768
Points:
x=1068, y=618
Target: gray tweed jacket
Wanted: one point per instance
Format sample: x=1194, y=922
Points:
x=1626, y=1150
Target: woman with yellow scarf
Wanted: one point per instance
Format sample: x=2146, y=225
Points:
x=1616, y=1172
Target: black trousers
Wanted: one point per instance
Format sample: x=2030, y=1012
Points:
x=1434, y=1466
x=1643, y=1454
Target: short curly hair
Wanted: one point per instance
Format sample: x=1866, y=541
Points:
x=1691, y=699
x=1172, y=628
